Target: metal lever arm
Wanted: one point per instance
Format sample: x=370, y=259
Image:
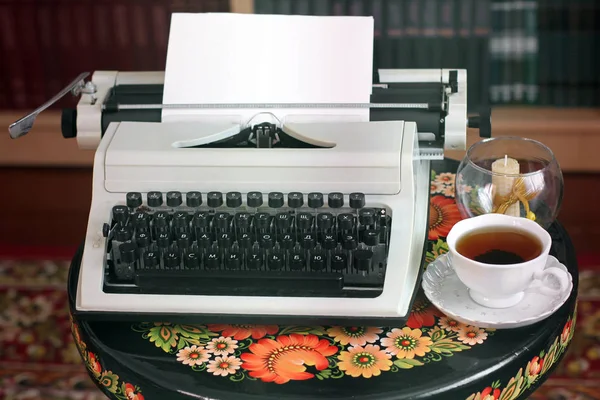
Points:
x=23, y=125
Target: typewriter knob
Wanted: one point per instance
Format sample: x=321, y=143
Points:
x=295, y=199
x=123, y=234
x=174, y=199
x=371, y=237
x=214, y=199
x=234, y=199
x=275, y=199
x=324, y=221
x=335, y=200
x=193, y=199
x=150, y=259
x=363, y=259
x=315, y=200
x=254, y=199
x=366, y=216
x=134, y=199
x=357, y=200
x=143, y=240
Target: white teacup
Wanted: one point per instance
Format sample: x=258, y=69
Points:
x=504, y=285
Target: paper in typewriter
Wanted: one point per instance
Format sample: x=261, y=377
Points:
x=246, y=58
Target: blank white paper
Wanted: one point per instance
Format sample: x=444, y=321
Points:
x=216, y=58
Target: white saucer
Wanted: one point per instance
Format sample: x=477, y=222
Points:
x=445, y=291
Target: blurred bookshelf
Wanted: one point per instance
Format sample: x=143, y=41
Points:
x=533, y=61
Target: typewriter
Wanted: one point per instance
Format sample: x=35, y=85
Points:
x=268, y=222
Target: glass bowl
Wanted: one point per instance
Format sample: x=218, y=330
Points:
x=510, y=175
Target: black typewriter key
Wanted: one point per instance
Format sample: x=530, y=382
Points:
x=172, y=260
x=181, y=220
x=120, y=213
x=192, y=261
x=255, y=261
x=245, y=241
x=304, y=221
x=205, y=241
x=123, y=233
x=128, y=252
x=163, y=241
x=275, y=260
x=318, y=261
x=308, y=241
x=266, y=241
x=142, y=239
x=335, y=200
x=212, y=260
x=155, y=199
x=276, y=200
x=329, y=241
x=201, y=220
x=339, y=262
x=193, y=199
x=233, y=199
x=141, y=220
x=161, y=219
x=225, y=241
x=363, y=259
x=283, y=220
x=324, y=221
x=174, y=199
x=366, y=216
x=287, y=241
x=356, y=200
x=350, y=242
x=150, y=259
x=242, y=221
x=254, y=199
x=315, y=200
x=214, y=199
x=345, y=222
x=371, y=237
x=222, y=221
x=297, y=261
x=234, y=261
x=263, y=221
x=184, y=241
x=295, y=200
x=133, y=199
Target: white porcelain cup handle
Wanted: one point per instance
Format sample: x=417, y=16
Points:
x=560, y=276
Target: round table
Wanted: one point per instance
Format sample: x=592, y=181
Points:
x=431, y=357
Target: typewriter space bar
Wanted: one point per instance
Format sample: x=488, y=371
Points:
x=276, y=283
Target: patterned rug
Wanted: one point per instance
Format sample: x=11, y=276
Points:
x=39, y=360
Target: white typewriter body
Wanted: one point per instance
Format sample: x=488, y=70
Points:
x=379, y=159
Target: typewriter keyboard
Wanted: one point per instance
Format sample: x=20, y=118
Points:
x=267, y=244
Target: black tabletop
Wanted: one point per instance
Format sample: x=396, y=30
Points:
x=431, y=357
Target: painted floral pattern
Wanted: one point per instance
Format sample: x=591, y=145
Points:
x=527, y=376
x=106, y=379
x=282, y=354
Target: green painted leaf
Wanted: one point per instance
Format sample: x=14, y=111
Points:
x=303, y=330
x=433, y=175
x=194, y=331
x=407, y=363
x=163, y=336
x=448, y=346
x=437, y=335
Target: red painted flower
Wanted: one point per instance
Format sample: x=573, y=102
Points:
x=564, y=336
x=284, y=359
x=443, y=214
x=94, y=364
x=132, y=393
x=535, y=366
x=490, y=393
x=241, y=332
x=422, y=314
